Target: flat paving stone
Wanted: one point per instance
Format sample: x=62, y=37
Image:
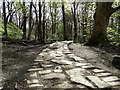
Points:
x=35, y=85
x=34, y=74
x=77, y=72
x=82, y=64
x=33, y=81
x=88, y=67
x=78, y=58
x=82, y=87
x=114, y=83
x=37, y=60
x=65, y=85
x=98, y=82
x=35, y=69
x=81, y=80
x=71, y=55
x=36, y=63
x=65, y=62
x=110, y=78
x=103, y=74
x=98, y=70
x=47, y=66
x=44, y=72
x=54, y=75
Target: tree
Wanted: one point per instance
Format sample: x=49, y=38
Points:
x=64, y=23
x=39, y=27
x=24, y=20
x=43, y=35
x=30, y=20
x=75, y=22
x=101, y=20
x=4, y=15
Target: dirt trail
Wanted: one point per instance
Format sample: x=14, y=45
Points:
x=16, y=59
x=20, y=63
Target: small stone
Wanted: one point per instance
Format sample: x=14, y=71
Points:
x=98, y=70
x=1, y=88
x=35, y=85
x=35, y=69
x=110, y=78
x=41, y=54
x=103, y=74
x=44, y=72
x=32, y=81
x=58, y=69
x=98, y=82
x=54, y=75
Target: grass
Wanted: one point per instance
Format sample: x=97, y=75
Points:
x=13, y=31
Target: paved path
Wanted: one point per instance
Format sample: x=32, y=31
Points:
x=57, y=67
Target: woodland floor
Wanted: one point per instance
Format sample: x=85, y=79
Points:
x=17, y=59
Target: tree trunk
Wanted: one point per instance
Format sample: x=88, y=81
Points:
x=75, y=23
x=101, y=20
x=64, y=23
x=24, y=22
x=5, y=22
x=39, y=27
x=30, y=21
x=43, y=38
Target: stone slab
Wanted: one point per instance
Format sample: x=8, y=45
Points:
x=88, y=67
x=54, y=75
x=114, y=83
x=33, y=81
x=98, y=82
x=37, y=60
x=35, y=85
x=44, y=71
x=35, y=69
x=110, y=78
x=64, y=62
x=46, y=66
x=77, y=72
x=81, y=80
x=34, y=74
x=78, y=58
x=65, y=85
x=67, y=52
x=103, y=74
x=82, y=64
x=98, y=70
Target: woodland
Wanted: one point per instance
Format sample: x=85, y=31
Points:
x=27, y=27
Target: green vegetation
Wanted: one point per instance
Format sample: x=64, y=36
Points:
x=13, y=31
